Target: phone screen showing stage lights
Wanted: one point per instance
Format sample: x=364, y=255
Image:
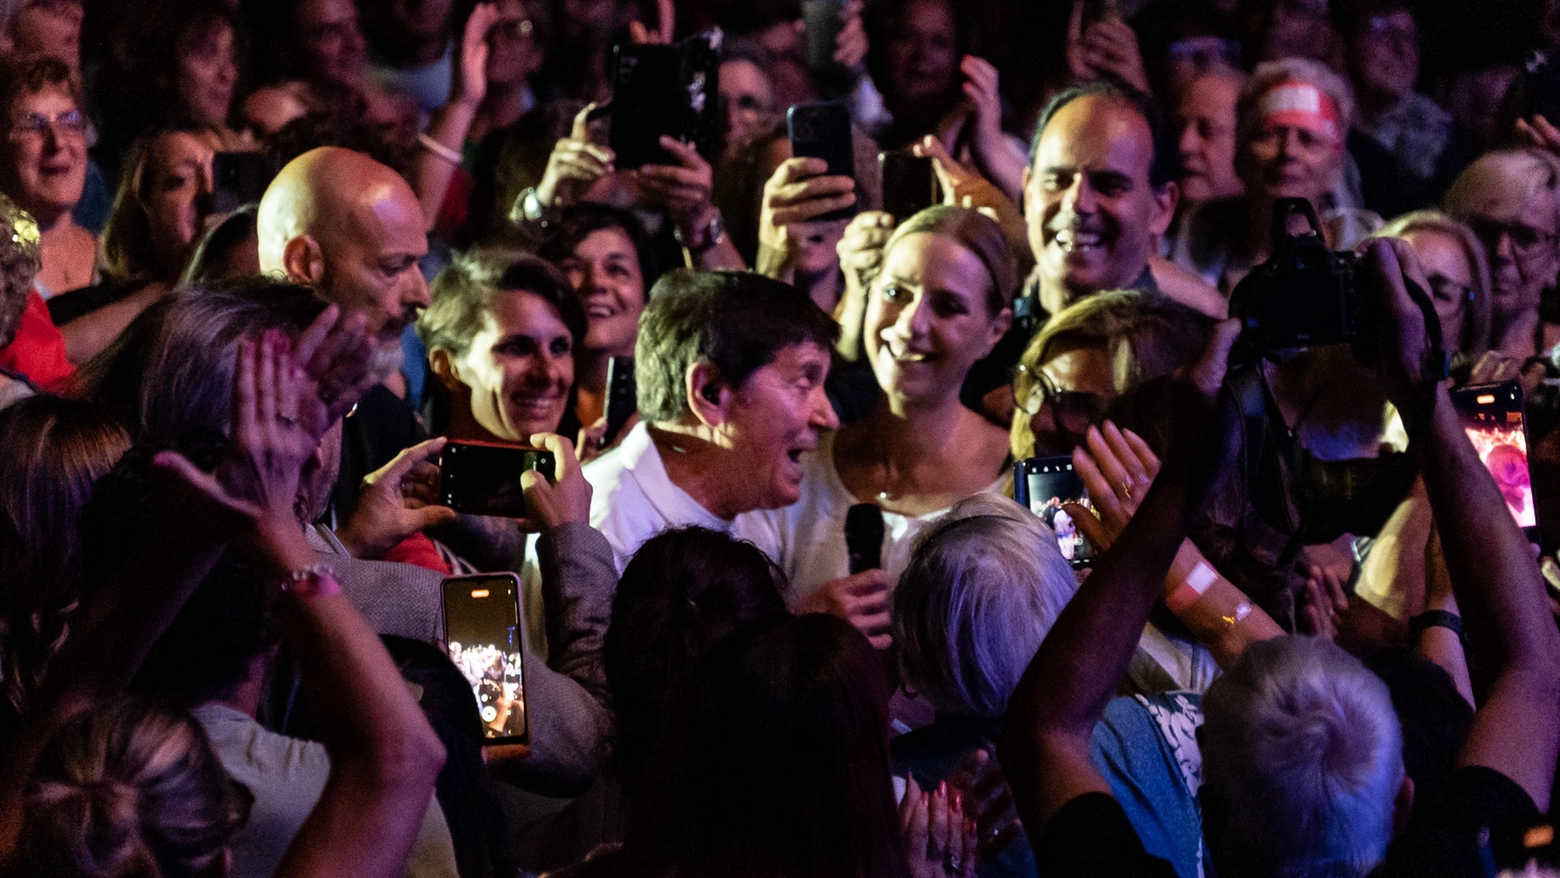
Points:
x=482, y=627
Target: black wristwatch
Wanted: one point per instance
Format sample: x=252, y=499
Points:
x=1436, y=619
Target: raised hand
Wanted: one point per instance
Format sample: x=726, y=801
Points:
x=861, y=247
x=799, y=191
x=666, y=20
x=1104, y=48
x=394, y=502
x=1116, y=467
x=851, y=44
x=471, y=87
x=575, y=162
x=337, y=356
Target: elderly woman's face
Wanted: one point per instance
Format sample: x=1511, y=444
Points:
x=928, y=319
x=604, y=269
x=208, y=70
x=1519, y=236
x=48, y=151
x=177, y=194
x=1451, y=279
x=1055, y=408
x=519, y=368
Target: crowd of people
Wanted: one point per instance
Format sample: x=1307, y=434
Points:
x=1291, y=612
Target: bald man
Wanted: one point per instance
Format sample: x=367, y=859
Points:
x=351, y=228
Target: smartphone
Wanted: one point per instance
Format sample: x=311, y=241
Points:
x=663, y=90
x=821, y=25
x=1043, y=484
x=823, y=131
x=483, y=478
x=239, y=178
x=482, y=628
x=622, y=394
x=909, y=183
x=1492, y=416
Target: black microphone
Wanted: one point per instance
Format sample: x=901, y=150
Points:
x=864, y=537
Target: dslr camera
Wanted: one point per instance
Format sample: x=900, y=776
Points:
x=1305, y=296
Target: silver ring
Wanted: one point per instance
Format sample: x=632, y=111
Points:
x=955, y=863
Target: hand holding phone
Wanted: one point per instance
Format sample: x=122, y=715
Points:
x=1043, y=485
x=482, y=630
x=1492, y=416
x=488, y=478
x=563, y=495
x=823, y=131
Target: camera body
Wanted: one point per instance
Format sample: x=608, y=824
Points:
x=1304, y=295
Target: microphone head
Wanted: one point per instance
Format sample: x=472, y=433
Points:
x=864, y=537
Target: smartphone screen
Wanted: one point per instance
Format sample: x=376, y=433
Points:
x=823, y=131
x=483, y=478
x=909, y=183
x=1045, y=483
x=1492, y=416
x=482, y=628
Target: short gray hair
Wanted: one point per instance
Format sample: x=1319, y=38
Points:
x=985, y=584
x=1303, y=755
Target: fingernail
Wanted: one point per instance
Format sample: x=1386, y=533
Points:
x=942, y=789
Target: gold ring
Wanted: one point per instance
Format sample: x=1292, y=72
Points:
x=1126, y=488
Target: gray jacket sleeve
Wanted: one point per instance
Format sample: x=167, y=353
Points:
x=566, y=698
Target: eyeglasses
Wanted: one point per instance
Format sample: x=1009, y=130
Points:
x=1073, y=410
x=37, y=124
x=1525, y=240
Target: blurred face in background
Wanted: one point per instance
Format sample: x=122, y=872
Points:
x=1206, y=118
x=514, y=52
x=48, y=27
x=923, y=52
x=208, y=70
x=747, y=99
x=48, y=153
x=1384, y=57
x=176, y=195
x=1451, y=276
x=332, y=46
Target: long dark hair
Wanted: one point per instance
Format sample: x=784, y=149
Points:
x=682, y=592
x=779, y=767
